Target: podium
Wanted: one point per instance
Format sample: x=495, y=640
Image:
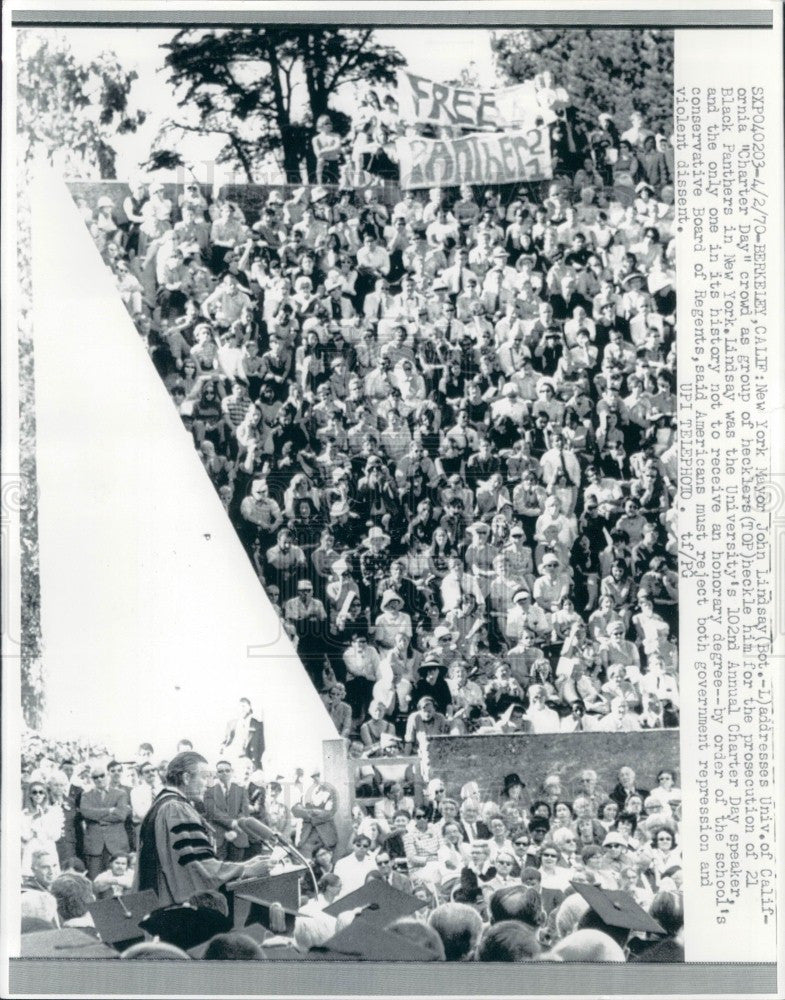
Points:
x=250, y=899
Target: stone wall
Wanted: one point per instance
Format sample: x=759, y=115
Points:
x=487, y=759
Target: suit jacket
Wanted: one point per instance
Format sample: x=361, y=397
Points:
x=129, y=823
x=619, y=794
x=317, y=809
x=222, y=808
x=254, y=745
x=483, y=833
x=104, y=817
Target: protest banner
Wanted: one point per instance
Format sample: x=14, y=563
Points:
x=500, y=158
x=426, y=102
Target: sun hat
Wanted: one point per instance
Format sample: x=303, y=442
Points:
x=376, y=534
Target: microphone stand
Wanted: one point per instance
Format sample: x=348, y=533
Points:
x=291, y=849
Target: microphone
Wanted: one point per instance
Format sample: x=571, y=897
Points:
x=255, y=830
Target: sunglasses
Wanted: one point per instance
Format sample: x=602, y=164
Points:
x=420, y=816
x=224, y=770
x=98, y=775
x=44, y=793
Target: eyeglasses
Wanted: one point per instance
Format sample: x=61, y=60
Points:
x=420, y=816
x=42, y=792
x=224, y=770
x=521, y=843
x=98, y=775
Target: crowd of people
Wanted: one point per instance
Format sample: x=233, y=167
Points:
x=444, y=429
x=516, y=854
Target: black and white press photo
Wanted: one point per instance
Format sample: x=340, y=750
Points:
x=349, y=494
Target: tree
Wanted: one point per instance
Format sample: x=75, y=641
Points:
x=262, y=89
x=71, y=111
x=602, y=70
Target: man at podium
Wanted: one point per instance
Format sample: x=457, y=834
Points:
x=176, y=857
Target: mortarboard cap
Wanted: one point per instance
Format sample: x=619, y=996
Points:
x=186, y=926
x=118, y=919
x=364, y=941
x=68, y=942
x=617, y=909
x=381, y=903
x=283, y=888
x=253, y=899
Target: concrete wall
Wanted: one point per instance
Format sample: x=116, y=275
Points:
x=486, y=759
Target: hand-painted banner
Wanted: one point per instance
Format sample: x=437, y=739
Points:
x=428, y=103
x=500, y=158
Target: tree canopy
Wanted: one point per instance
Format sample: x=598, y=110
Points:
x=262, y=89
x=602, y=69
x=70, y=109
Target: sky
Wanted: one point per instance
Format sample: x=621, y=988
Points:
x=439, y=54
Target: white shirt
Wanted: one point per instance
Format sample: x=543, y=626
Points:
x=353, y=873
x=543, y=720
x=141, y=800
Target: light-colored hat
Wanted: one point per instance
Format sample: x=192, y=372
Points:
x=635, y=276
x=105, y=202
x=274, y=198
x=339, y=508
x=333, y=281
x=319, y=193
x=376, y=534
x=388, y=597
